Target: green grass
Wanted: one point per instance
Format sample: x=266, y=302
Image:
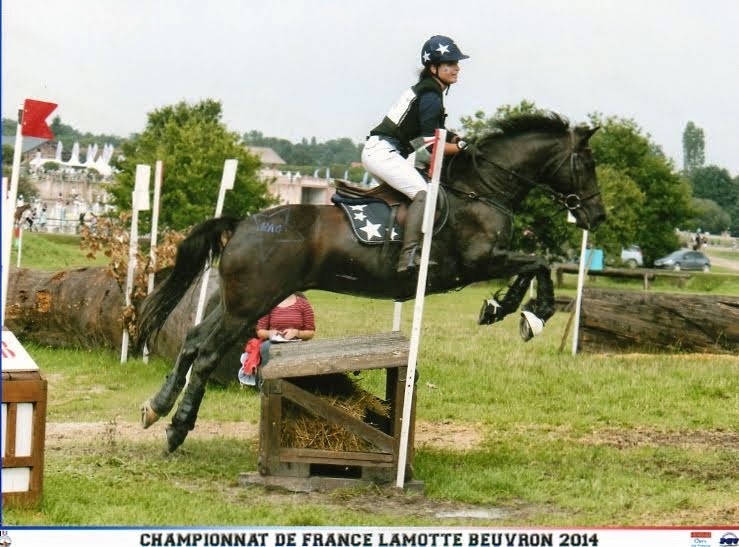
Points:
x=586, y=440
x=51, y=252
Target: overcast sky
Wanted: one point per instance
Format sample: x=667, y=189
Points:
x=330, y=69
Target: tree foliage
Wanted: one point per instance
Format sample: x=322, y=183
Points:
x=308, y=152
x=621, y=145
x=193, y=144
x=708, y=216
x=715, y=183
x=694, y=148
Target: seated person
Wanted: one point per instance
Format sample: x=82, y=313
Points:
x=291, y=320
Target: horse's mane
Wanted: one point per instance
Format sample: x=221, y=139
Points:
x=516, y=124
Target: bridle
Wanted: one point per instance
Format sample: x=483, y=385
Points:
x=570, y=202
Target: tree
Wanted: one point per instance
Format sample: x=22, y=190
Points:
x=621, y=145
x=708, y=216
x=694, y=155
x=713, y=182
x=308, y=152
x=193, y=144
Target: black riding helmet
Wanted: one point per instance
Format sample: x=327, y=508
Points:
x=440, y=49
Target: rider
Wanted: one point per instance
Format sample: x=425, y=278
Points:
x=408, y=127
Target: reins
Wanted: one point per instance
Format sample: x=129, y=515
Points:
x=570, y=201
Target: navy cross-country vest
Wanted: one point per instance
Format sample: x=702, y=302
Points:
x=402, y=121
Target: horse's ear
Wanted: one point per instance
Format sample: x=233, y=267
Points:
x=585, y=132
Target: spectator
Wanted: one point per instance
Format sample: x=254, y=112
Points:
x=291, y=320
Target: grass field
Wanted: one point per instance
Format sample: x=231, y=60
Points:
x=516, y=431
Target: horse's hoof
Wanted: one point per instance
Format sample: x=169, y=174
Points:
x=529, y=326
x=148, y=416
x=175, y=437
x=491, y=312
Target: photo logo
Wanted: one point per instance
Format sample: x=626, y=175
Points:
x=729, y=539
x=5, y=540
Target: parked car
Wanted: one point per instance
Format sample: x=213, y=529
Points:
x=684, y=259
x=631, y=256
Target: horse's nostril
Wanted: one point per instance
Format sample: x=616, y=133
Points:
x=599, y=219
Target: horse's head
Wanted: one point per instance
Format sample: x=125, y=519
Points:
x=573, y=180
x=537, y=150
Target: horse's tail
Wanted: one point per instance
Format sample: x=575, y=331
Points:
x=205, y=243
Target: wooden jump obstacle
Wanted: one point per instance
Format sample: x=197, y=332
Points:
x=304, y=470
x=23, y=425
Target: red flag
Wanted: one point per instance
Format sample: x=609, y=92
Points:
x=34, y=119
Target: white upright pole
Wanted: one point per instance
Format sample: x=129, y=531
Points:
x=20, y=245
x=154, y=236
x=155, y=223
x=9, y=210
x=227, y=183
x=580, y=283
x=139, y=202
x=428, y=230
x=397, y=312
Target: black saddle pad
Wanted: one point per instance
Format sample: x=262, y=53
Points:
x=370, y=219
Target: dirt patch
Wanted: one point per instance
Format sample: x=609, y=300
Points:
x=439, y=435
x=445, y=435
x=635, y=437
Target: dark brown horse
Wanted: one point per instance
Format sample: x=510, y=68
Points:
x=267, y=256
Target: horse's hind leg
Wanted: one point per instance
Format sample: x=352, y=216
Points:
x=161, y=403
x=224, y=334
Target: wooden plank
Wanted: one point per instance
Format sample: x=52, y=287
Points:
x=20, y=461
x=270, y=427
x=375, y=351
x=331, y=457
x=325, y=410
x=10, y=424
x=24, y=391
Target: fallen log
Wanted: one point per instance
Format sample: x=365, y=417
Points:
x=623, y=321
x=79, y=307
x=83, y=307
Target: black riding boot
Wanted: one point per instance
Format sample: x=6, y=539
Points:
x=410, y=254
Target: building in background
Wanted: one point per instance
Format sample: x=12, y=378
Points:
x=289, y=187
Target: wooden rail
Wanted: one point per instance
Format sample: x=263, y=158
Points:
x=646, y=275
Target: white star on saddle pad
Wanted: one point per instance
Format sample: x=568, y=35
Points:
x=393, y=234
x=442, y=49
x=357, y=207
x=360, y=216
x=371, y=230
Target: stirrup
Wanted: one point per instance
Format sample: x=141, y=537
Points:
x=414, y=261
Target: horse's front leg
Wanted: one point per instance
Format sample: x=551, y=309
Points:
x=501, y=304
x=537, y=310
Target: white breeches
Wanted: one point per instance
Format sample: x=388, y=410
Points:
x=384, y=162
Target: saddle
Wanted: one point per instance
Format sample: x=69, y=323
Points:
x=377, y=215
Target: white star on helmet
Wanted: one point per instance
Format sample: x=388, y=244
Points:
x=426, y=56
x=442, y=49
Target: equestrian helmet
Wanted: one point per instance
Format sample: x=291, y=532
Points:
x=441, y=49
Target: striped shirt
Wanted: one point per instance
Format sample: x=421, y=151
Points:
x=297, y=316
